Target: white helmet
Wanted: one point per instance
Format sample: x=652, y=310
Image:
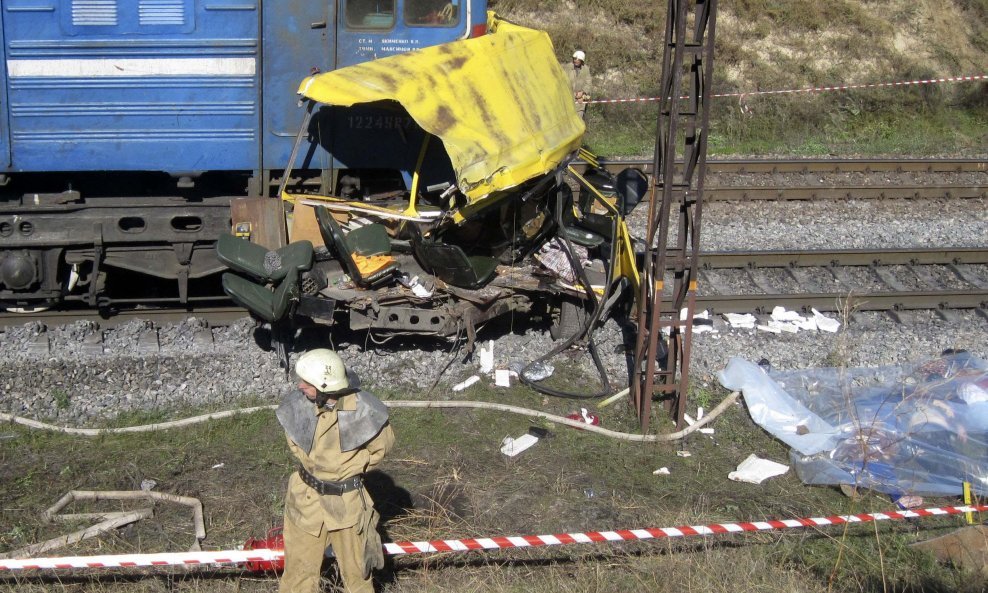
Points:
x=579, y=55
x=323, y=369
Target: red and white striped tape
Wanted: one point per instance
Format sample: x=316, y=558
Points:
x=469, y=544
x=817, y=89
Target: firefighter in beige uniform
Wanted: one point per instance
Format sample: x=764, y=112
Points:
x=337, y=432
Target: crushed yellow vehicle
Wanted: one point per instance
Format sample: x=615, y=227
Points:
x=429, y=193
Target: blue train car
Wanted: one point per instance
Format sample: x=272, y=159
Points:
x=127, y=125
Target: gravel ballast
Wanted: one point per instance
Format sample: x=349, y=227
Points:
x=74, y=385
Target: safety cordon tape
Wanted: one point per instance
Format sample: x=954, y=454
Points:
x=469, y=544
x=817, y=89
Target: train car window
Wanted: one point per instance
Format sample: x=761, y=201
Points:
x=370, y=14
x=98, y=17
x=432, y=13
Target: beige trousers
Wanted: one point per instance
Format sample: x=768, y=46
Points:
x=304, y=555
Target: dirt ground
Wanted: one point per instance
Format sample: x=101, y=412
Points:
x=447, y=479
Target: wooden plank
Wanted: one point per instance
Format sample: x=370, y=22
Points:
x=261, y=219
x=304, y=226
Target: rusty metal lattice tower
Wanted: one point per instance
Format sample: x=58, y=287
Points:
x=669, y=276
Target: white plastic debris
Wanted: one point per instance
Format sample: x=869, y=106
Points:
x=420, y=291
x=463, y=385
x=538, y=371
x=684, y=454
x=511, y=446
x=808, y=324
x=502, y=378
x=690, y=422
x=768, y=328
x=755, y=470
x=825, y=323
x=148, y=485
x=780, y=313
x=415, y=285
x=662, y=471
x=487, y=357
x=218, y=466
x=740, y=320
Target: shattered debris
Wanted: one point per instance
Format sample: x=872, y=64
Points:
x=756, y=470
x=513, y=446
x=467, y=383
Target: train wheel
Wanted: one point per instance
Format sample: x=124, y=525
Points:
x=27, y=310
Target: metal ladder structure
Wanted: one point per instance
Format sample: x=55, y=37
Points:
x=669, y=275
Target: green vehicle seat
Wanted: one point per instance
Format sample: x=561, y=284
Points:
x=453, y=266
x=572, y=228
x=280, y=266
x=370, y=242
x=267, y=304
x=264, y=264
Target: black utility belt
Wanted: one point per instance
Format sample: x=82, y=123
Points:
x=328, y=486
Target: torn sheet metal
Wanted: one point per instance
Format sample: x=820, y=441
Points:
x=500, y=103
x=917, y=429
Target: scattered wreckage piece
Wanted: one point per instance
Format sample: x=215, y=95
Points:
x=108, y=520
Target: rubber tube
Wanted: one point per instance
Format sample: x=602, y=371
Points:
x=642, y=438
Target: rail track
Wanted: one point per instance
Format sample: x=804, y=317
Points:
x=791, y=189
x=887, y=280
x=890, y=280
x=817, y=165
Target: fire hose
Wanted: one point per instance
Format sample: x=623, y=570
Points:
x=641, y=438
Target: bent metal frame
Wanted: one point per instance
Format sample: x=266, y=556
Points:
x=669, y=275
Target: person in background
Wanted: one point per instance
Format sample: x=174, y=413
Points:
x=337, y=432
x=579, y=81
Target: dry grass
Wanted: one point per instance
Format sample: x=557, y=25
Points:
x=448, y=480
x=772, y=45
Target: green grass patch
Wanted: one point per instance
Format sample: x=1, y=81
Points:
x=448, y=479
x=843, y=131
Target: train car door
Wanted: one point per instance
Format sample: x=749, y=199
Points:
x=4, y=122
x=299, y=38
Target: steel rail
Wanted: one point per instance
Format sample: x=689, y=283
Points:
x=846, y=192
x=842, y=257
x=838, y=302
x=812, y=165
x=975, y=296
x=214, y=316
x=795, y=190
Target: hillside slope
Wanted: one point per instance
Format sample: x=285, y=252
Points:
x=789, y=44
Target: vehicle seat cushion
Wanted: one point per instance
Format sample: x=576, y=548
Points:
x=297, y=256
x=368, y=266
x=371, y=239
x=271, y=265
x=267, y=304
x=453, y=266
x=581, y=236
